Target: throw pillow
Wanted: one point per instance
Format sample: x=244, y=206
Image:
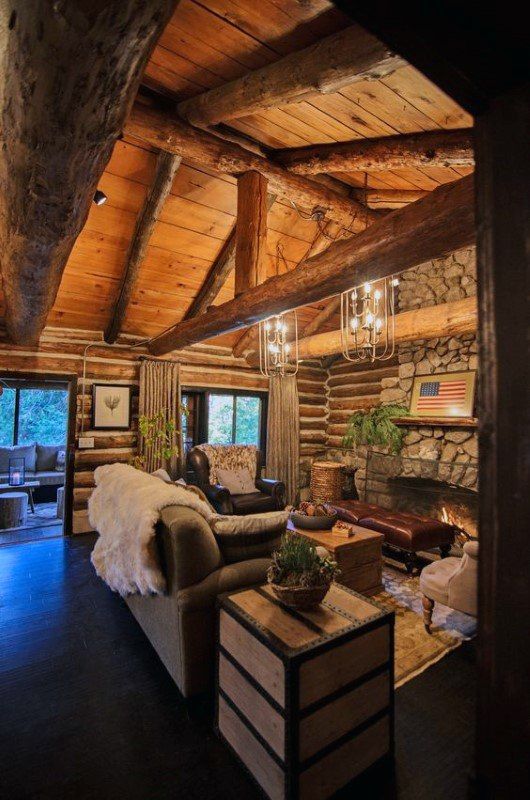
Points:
x=237, y=481
x=28, y=452
x=47, y=456
x=251, y=536
x=60, y=464
x=162, y=474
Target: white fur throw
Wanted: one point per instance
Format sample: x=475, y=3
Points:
x=124, y=509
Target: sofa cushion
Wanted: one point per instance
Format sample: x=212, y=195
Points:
x=252, y=536
x=27, y=451
x=237, y=481
x=47, y=456
x=48, y=478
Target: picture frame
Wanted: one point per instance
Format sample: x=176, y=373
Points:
x=111, y=407
x=447, y=395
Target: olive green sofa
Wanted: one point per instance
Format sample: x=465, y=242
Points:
x=181, y=625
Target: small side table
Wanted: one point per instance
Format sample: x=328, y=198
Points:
x=359, y=557
x=26, y=487
x=13, y=509
x=305, y=698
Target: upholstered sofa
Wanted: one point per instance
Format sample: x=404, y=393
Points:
x=40, y=463
x=181, y=625
x=265, y=495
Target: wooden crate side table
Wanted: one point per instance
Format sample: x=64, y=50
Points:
x=305, y=699
x=360, y=558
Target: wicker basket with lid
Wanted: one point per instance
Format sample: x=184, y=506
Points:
x=326, y=481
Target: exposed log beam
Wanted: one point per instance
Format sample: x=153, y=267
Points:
x=249, y=339
x=329, y=310
x=160, y=129
x=444, y=148
x=389, y=198
x=447, y=319
x=251, y=231
x=340, y=59
x=218, y=272
x=69, y=75
x=166, y=168
x=430, y=228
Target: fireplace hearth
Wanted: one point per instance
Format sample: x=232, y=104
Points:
x=422, y=486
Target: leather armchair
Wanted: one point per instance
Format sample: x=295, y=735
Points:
x=269, y=494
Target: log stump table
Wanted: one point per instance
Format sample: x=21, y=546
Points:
x=13, y=509
x=305, y=698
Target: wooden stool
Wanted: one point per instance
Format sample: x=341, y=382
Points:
x=13, y=509
x=60, y=502
x=326, y=481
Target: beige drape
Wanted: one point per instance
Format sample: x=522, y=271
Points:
x=283, y=434
x=160, y=392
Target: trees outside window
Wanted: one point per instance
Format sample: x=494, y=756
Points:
x=30, y=415
x=234, y=419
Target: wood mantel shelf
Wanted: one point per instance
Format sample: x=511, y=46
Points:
x=440, y=422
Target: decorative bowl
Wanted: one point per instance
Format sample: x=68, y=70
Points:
x=316, y=523
x=302, y=597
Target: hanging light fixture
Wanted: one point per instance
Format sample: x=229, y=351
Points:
x=367, y=321
x=277, y=356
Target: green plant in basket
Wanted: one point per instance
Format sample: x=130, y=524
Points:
x=297, y=564
x=376, y=426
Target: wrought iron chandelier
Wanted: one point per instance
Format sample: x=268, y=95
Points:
x=277, y=356
x=367, y=321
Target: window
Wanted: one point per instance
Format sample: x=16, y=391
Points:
x=224, y=418
x=234, y=419
x=33, y=414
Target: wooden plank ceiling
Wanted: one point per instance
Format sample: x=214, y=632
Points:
x=206, y=44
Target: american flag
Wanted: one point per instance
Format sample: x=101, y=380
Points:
x=442, y=396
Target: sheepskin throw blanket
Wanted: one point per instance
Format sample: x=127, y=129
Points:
x=229, y=456
x=124, y=509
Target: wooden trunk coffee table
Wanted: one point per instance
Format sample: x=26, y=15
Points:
x=360, y=558
x=305, y=698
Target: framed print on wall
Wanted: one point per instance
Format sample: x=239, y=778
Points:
x=111, y=407
x=451, y=394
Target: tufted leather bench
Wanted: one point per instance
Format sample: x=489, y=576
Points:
x=402, y=530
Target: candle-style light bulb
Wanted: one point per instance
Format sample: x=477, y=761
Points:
x=378, y=324
x=377, y=294
x=367, y=288
x=267, y=326
x=287, y=349
x=369, y=318
x=355, y=323
x=395, y=282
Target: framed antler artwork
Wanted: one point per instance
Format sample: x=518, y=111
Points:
x=111, y=407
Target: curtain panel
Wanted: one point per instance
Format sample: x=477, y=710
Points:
x=160, y=393
x=283, y=434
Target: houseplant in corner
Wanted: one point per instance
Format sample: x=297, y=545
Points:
x=298, y=575
x=376, y=426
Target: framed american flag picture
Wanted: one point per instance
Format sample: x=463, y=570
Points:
x=449, y=395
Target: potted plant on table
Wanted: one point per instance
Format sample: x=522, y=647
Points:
x=298, y=575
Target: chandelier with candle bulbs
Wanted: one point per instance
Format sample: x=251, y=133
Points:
x=367, y=321
x=277, y=355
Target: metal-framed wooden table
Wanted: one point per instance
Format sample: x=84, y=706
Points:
x=359, y=557
x=305, y=698
x=27, y=487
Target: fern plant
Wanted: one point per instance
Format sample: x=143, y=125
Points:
x=375, y=426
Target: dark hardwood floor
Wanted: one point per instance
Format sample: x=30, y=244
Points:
x=88, y=711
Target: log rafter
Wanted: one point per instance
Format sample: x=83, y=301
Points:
x=159, y=128
x=431, y=228
x=350, y=55
x=56, y=141
x=440, y=148
x=166, y=168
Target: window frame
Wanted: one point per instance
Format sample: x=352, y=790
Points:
x=60, y=386
x=202, y=421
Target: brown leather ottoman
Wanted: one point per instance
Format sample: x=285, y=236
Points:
x=402, y=530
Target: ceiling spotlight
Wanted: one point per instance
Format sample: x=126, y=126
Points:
x=99, y=197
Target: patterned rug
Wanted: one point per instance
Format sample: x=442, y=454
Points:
x=415, y=649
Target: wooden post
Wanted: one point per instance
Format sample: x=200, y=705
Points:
x=503, y=224
x=251, y=231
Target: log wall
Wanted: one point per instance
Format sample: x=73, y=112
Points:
x=61, y=351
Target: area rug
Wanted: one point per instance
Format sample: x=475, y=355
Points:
x=415, y=649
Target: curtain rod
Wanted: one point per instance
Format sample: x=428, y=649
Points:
x=161, y=360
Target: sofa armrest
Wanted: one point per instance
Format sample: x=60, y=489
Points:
x=219, y=497
x=275, y=489
x=188, y=549
x=471, y=548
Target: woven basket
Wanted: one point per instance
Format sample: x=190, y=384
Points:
x=326, y=481
x=300, y=596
